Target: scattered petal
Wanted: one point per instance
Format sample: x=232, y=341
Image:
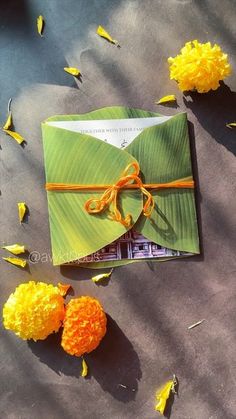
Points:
x=163, y=394
x=99, y=277
x=40, y=25
x=17, y=261
x=165, y=99
x=72, y=70
x=14, y=135
x=63, y=288
x=231, y=125
x=16, y=249
x=22, y=210
x=104, y=34
x=196, y=324
x=84, y=371
x=8, y=122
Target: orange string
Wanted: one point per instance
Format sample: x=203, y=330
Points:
x=127, y=181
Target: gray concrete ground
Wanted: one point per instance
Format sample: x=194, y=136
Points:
x=150, y=306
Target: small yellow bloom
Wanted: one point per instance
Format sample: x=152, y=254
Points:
x=199, y=67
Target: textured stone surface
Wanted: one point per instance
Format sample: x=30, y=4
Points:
x=150, y=306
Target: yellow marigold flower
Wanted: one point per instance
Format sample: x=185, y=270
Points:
x=199, y=67
x=34, y=310
x=84, y=326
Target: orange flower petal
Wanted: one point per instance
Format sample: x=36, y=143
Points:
x=63, y=288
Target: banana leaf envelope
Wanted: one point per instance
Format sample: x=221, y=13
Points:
x=77, y=156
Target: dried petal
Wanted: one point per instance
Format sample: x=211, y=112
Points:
x=63, y=288
x=14, y=135
x=16, y=249
x=99, y=277
x=21, y=210
x=231, y=125
x=163, y=394
x=8, y=122
x=17, y=261
x=84, y=371
x=40, y=25
x=72, y=70
x=165, y=99
x=104, y=34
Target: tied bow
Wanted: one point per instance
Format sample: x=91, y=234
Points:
x=110, y=196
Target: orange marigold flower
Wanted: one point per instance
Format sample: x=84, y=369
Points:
x=199, y=67
x=84, y=326
x=34, y=310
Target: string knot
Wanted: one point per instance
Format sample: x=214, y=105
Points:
x=110, y=196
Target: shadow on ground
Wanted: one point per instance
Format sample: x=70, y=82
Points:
x=113, y=363
x=213, y=111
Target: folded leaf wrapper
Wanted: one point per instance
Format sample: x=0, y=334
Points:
x=162, y=151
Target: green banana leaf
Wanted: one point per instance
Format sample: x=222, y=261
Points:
x=163, y=154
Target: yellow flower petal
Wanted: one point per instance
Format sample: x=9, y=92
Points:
x=8, y=122
x=14, y=135
x=231, y=125
x=16, y=261
x=99, y=277
x=16, y=249
x=21, y=210
x=165, y=99
x=163, y=394
x=72, y=70
x=104, y=34
x=63, y=288
x=40, y=25
x=84, y=371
